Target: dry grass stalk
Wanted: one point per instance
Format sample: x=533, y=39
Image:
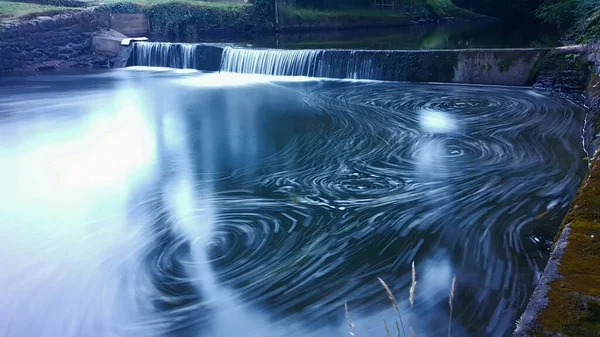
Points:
x=350, y=323
x=387, y=330
x=394, y=304
x=451, y=302
x=413, y=286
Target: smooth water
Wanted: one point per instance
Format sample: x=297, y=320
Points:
x=169, y=203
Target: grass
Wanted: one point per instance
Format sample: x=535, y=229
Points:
x=400, y=331
x=10, y=11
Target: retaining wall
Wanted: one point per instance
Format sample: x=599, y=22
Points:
x=566, y=301
x=60, y=41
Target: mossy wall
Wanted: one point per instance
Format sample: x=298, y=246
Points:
x=183, y=21
x=567, y=299
x=500, y=66
x=565, y=68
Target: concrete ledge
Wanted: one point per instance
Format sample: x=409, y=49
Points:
x=107, y=42
x=539, y=300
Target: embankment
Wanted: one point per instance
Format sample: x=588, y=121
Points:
x=61, y=41
x=566, y=301
x=64, y=40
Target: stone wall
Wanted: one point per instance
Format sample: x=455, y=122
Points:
x=61, y=41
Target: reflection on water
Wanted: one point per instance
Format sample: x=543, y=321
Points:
x=443, y=36
x=139, y=203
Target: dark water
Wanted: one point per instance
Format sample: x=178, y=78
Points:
x=139, y=203
x=442, y=36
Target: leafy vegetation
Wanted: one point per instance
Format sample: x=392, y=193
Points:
x=581, y=17
x=504, y=9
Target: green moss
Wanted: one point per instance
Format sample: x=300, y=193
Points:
x=574, y=298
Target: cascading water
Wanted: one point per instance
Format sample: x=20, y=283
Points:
x=357, y=64
x=385, y=65
x=163, y=54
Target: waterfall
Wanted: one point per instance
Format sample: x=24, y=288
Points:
x=385, y=65
x=356, y=64
x=163, y=54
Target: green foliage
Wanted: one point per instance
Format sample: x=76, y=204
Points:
x=505, y=9
x=440, y=7
x=264, y=9
x=557, y=12
x=582, y=17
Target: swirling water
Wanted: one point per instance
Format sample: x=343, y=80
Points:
x=139, y=203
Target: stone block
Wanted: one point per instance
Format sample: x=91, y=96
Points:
x=46, y=22
x=107, y=42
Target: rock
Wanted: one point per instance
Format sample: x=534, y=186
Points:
x=50, y=65
x=544, y=82
x=65, y=50
x=571, y=80
x=46, y=22
x=446, y=19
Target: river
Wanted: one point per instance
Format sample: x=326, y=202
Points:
x=155, y=202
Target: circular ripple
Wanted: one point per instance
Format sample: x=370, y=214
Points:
x=452, y=177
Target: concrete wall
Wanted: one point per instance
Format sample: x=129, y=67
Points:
x=132, y=25
x=60, y=41
x=565, y=301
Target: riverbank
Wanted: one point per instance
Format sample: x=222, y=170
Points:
x=65, y=40
x=189, y=19
x=566, y=301
x=60, y=41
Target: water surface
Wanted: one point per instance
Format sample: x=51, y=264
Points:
x=176, y=203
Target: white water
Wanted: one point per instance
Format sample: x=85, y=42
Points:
x=272, y=62
x=164, y=54
x=306, y=62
